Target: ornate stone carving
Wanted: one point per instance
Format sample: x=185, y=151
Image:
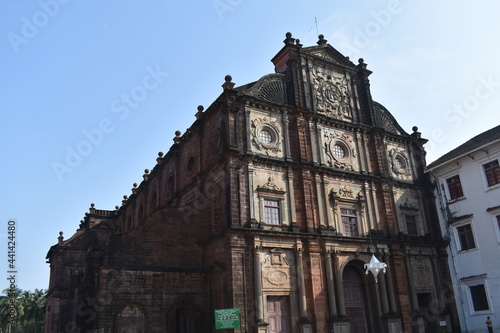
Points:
x=331, y=93
x=270, y=143
x=269, y=185
x=345, y=192
x=422, y=272
x=276, y=270
x=399, y=162
x=335, y=140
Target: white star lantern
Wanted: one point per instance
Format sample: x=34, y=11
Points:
x=375, y=267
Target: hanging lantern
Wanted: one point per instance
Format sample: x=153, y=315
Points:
x=375, y=267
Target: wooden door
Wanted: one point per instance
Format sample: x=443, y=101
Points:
x=278, y=314
x=354, y=297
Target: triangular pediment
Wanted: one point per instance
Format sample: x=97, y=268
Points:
x=329, y=54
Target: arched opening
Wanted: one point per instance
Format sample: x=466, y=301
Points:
x=355, y=299
x=184, y=320
x=184, y=317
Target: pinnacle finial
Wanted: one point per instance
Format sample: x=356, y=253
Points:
x=228, y=84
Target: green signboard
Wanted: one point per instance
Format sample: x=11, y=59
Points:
x=227, y=319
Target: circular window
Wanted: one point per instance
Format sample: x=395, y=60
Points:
x=265, y=137
x=338, y=151
x=399, y=163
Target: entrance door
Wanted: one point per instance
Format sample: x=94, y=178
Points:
x=278, y=314
x=354, y=297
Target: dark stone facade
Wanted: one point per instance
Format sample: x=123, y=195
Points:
x=271, y=202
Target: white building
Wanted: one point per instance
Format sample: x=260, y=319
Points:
x=468, y=196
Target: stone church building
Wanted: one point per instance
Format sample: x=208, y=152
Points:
x=271, y=203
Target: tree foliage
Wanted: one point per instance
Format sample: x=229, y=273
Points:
x=25, y=308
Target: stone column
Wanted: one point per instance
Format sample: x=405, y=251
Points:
x=328, y=211
x=251, y=191
x=411, y=285
x=247, y=129
x=285, y=136
x=305, y=324
x=257, y=271
x=330, y=283
x=383, y=293
x=291, y=196
x=339, y=286
x=300, y=282
x=390, y=286
x=321, y=201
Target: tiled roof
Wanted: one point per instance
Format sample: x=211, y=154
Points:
x=469, y=146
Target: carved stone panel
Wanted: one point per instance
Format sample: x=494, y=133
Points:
x=277, y=269
x=266, y=134
x=422, y=272
x=339, y=149
x=331, y=91
x=399, y=162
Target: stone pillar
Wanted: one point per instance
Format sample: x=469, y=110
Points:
x=300, y=282
x=248, y=135
x=291, y=197
x=340, y=287
x=383, y=293
x=321, y=201
x=328, y=211
x=319, y=131
x=286, y=138
x=390, y=287
x=251, y=191
x=411, y=285
x=330, y=283
x=257, y=271
x=305, y=324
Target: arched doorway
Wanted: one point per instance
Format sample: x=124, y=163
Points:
x=184, y=320
x=355, y=299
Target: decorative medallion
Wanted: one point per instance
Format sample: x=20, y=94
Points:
x=277, y=278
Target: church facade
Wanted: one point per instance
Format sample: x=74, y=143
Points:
x=273, y=204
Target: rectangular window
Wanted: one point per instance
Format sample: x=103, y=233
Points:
x=498, y=222
x=455, y=187
x=465, y=237
x=411, y=225
x=479, y=299
x=349, y=222
x=492, y=171
x=272, y=211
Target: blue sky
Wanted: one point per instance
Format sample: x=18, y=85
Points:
x=93, y=90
